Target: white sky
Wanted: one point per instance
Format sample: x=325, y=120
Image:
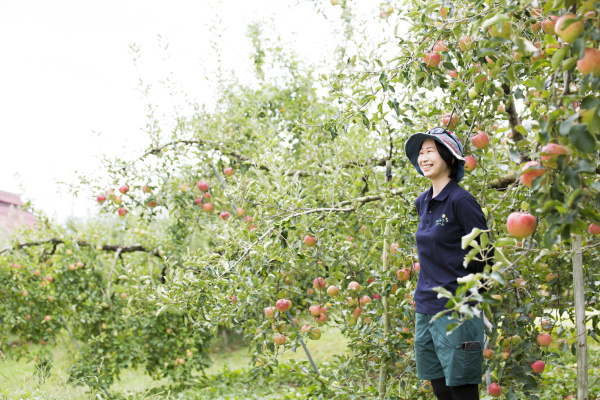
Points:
x=67, y=75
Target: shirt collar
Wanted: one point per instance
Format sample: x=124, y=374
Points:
x=449, y=188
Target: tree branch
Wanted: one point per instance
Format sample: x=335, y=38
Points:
x=105, y=247
x=513, y=118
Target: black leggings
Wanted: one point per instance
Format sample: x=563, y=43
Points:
x=464, y=392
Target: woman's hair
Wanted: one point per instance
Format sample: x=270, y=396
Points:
x=448, y=158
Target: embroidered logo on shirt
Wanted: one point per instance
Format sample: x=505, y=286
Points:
x=442, y=221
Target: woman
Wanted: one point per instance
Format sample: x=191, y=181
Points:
x=447, y=212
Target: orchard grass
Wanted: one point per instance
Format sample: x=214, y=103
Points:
x=231, y=376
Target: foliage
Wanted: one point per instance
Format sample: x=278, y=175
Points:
x=311, y=164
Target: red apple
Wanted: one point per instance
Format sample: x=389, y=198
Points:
x=319, y=283
x=228, y=171
x=314, y=310
x=453, y=74
x=169, y=330
x=206, y=195
x=495, y=390
x=549, y=277
x=371, y=280
x=49, y=278
x=538, y=367
x=394, y=247
x=333, y=291
x=124, y=189
x=446, y=120
x=123, y=212
x=202, y=185
x=28, y=317
x=590, y=63
x=270, y=312
x=240, y=211
x=432, y=59
x=376, y=296
x=354, y=287
x=349, y=239
x=440, y=46
x=443, y=12
x=24, y=293
x=283, y=305
x=530, y=171
x=403, y=274
x=481, y=140
x=50, y=299
x=71, y=267
x=224, y=215
x=544, y=339
x=280, y=339
x=549, y=25
x=321, y=318
x=208, y=207
x=198, y=201
x=470, y=163
x=536, y=26
x=118, y=200
x=123, y=295
x=151, y=204
x=310, y=241
x=365, y=300
x=356, y=312
x=488, y=354
x=47, y=318
x=251, y=227
x=594, y=229
x=571, y=32
x=36, y=272
x=550, y=153
x=147, y=189
x=521, y=225
x=100, y=198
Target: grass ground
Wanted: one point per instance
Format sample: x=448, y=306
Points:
x=19, y=380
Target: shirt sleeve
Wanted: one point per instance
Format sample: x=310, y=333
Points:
x=470, y=215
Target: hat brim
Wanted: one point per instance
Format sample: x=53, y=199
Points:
x=413, y=146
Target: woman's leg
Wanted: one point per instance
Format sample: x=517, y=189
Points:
x=464, y=392
x=441, y=391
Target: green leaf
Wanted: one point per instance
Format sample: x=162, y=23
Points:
x=558, y=56
x=496, y=19
x=569, y=63
x=582, y=139
x=467, y=239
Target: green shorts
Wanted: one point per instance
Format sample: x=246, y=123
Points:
x=440, y=355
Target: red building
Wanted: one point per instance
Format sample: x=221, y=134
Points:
x=12, y=213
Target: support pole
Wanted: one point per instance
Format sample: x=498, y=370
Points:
x=580, y=330
x=310, y=359
x=384, y=298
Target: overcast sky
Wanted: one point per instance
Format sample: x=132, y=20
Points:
x=68, y=85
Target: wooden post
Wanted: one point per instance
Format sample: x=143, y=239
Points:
x=580, y=330
x=384, y=298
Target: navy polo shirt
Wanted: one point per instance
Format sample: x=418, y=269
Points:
x=443, y=221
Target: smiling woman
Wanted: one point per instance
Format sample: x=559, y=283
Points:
x=447, y=212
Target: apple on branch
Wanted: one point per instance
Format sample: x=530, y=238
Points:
x=571, y=32
x=481, y=140
x=521, y=225
x=470, y=163
x=530, y=171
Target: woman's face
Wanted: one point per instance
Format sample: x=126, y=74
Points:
x=431, y=163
